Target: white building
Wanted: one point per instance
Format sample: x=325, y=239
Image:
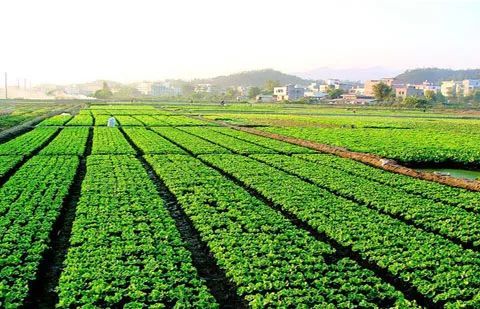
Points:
x=144, y=88
x=209, y=88
x=161, y=90
x=451, y=88
x=288, y=93
x=264, y=98
x=469, y=86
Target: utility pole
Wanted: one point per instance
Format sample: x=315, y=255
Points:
x=6, y=87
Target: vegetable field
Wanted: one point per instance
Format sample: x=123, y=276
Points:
x=172, y=210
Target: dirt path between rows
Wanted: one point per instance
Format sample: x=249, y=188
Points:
x=370, y=159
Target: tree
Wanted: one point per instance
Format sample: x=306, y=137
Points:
x=104, y=93
x=476, y=96
x=416, y=102
x=270, y=84
x=382, y=91
x=430, y=95
x=253, y=92
x=231, y=93
x=127, y=92
x=334, y=93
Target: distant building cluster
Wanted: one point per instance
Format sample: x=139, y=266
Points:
x=158, y=89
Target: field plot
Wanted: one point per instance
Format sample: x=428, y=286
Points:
x=58, y=120
x=81, y=120
x=172, y=211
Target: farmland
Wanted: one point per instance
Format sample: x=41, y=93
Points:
x=175, y=208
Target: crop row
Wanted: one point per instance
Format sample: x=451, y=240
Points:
x=125, y=120
x=27, y=143
x=150, y=120
x=81, y=120
x=447, y=220
x=30, y=203
x=182, y=121
x=152, y=143
x=58, y=120
x=271, y=261
x=193, y=143
x=278, y=146
x=406, y=145
x=437, y=268
x=101, y=120
x=125, y=248
x=8, y=162
x=110, y=141
x=70, y=141
x=455, y=196
x=226, y=141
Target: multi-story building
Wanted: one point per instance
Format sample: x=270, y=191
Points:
x=369, y=84
x=469, y=86
x=409, y=91
x=161, y=90
x=451, y=88
x=144, y=88
x=209, y=88
x=288, y=93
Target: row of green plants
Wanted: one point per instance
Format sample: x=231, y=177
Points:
x=447, y=220
x=226, y=141
x=57, y=120
x=27, y=143
x=276, y=145
x=182, y=121
x=271, y=262
x=110, y=141
x=405, y=145
x=70, y=141
x=81, y=120
x=30, y=203
x=442, y=271
x=8, y=162
x=193, y=143
x=127, y=120
x=149, y=120
x=125, y=250
x=465, y=199
x=150, y=142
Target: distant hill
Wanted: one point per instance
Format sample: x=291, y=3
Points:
x=252, y=78
x=436, y=75
x=352, y=74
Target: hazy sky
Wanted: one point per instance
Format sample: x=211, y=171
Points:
x=80, y=40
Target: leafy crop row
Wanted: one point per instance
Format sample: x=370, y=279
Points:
x=58, y=120
x=70, y=141
x=406, y=145
x=8, y=162
x=110, y=141
x=272, y=262
x=125, y=248
x=151, y=142
x=455, y=196
x=81, y=120
x=101, y=120
x=429, y=215
x=229, y=142
x=278, y=146
x=27, y=143
x=150, y=120
x=182, y=121
x=30, y=203
x=125, y=120
x=195, y=144
x=437, y=268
